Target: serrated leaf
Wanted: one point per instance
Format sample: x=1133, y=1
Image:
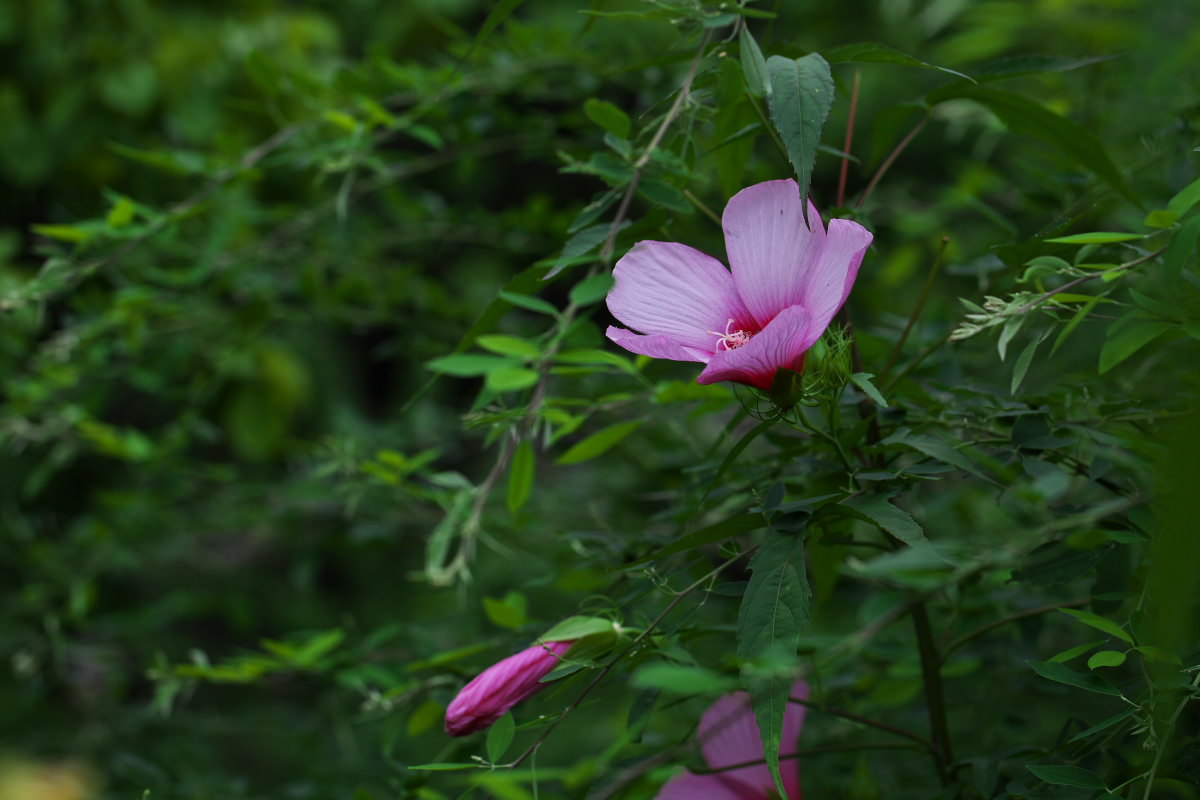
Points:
x=520, y=476
x=499, y=737
x=1061, y=673
x=800, y=99
x=1099, y=623
x=774, y=611
x=608, y=116
x=1067, y=776
x=754, y=66
x=1106, y=658
x=863, y=380
x=509, y=346
x=879, y=512
x=599, y=442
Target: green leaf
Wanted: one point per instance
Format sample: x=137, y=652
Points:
x=495, y=18
x=574, y=628
x=499, y=737
x=1106, y=658
x=520, y=476
x=1125, y=340
x=879, y=512
x=1080, y=315
x=877, y=53
x=1159, y=654
x=599, y=442
x=774, y=611
x=754, y=66
x=122, y=213
x=608, y=116
x=863, y=381
x=509, y=346
x=665, y=195
x=1104, y=725
x=529, y=303
x=734, y=526
x=506, y=613
x=1022, y=115
x=1023, y=361
x=511, y=379
x=801, y=95
x=1074, y=652
x=1187, y=197
x=682, y=679
x=467, y=365
x=1097, y=237
x=1067, y=776
x=1182, y=246
x=1099, y=623
x=1160, y=219
x=1080, y=680
x=590, y=356
x=64, y=233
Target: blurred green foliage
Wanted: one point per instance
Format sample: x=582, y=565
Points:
x=295, y=438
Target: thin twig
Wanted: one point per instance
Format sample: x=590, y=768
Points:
x=887, y=163
x=685, y=90
x=1025, y=614
x=620, y=656
x=1069, y=285
x=917, y=309
x=809, y=751
x=883, y=726
x=841, y=190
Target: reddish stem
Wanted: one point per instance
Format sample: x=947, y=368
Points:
x=841, y=192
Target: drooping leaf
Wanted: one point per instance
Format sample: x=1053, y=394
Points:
x=754, y=66
x=863, y=380
x=1099, y=623
x=877, y=53
x=1022, y=115
x=520, y=476
x=800, y=99
x=1067, y=776
x=1187, y=197
x=1182, y=246
x=775, y=610
x=1096, y=237
x=499, y=737
x=878, y=511
x=1126, y=339
x=1061, y=673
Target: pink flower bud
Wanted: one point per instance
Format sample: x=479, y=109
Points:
x=501, y=686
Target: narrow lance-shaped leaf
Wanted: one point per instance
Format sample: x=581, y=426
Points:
x=800, y=98
x=774, y=611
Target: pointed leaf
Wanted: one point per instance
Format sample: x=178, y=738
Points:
x=599, y=442
x=801, y=95
x=520, y=476
x=774, y=611
x=754, y=66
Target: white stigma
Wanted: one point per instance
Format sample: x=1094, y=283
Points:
x=731, y=341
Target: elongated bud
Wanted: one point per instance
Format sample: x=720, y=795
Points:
x=501, y=686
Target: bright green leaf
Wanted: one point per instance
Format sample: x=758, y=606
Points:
x=499, y=737
x=1106, y=658
x=599, y=442
x=467, y=365
x=511, y=379
x=509, y=346
x=520, y=476
x=608, y=116
x=1096, y=238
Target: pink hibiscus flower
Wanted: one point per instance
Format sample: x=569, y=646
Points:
x=729, y=735
x=787, y=283
x=501, y=686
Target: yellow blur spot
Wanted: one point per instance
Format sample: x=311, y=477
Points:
x=27, y=780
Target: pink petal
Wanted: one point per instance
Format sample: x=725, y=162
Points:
x=781, y=344
x=655, y=346
x=501, y=686
x=729, y=735
x=769, y=245
x=673, y=290
x=826, y=282
x=700, y=787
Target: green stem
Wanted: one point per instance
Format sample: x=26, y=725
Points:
x=931, y=677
